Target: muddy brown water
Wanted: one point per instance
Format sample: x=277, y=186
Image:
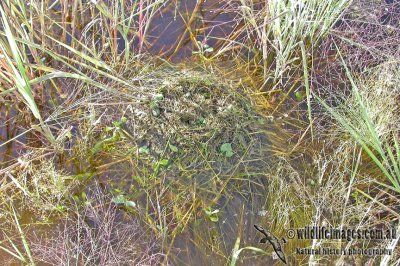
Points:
x=203, y=242
x=210, y=23
x=11, y=127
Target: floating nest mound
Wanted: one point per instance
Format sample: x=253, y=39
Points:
x=186, y=108
x=196, y=116
x=192, y=123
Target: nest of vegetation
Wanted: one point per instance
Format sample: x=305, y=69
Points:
x=189, y=107
x=192, y=120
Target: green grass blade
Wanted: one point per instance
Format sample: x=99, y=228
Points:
x=24, y=241
x=306, y=83
x=359, y=139
x=20, y=75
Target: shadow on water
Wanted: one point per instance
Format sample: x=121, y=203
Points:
x=10, y=128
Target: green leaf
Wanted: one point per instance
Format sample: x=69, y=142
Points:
x=83, y=195
x=155, y=111
x=212, y=214
x=130, y=204
x=226, y=149
x=163, y=162
x=300, y=95
x=120, y=122
x=119, y=200
x=173, y=148
x=201, y=121
x=144, y=150
x=213, y=219
x=158, y=97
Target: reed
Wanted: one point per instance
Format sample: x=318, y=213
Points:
x=368, y=116
x=279, y=28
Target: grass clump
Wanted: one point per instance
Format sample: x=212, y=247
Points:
x=371, y=107
x=324, y=190
x=44, y=45
x=368, y=115
x=97, y=234
x=46, y=187
x=40, y=189
x=280, y=28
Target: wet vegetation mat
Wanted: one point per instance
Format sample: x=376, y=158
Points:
x=234, y=132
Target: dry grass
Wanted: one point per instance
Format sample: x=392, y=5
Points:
x=378, y=89
x=98, y=233
x=324, y=190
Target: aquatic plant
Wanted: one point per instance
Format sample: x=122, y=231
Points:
x=369, y=116
x=279, y=28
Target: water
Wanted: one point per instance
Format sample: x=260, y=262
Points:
x=11, y=127
x=168, y=30
x=203, y=242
